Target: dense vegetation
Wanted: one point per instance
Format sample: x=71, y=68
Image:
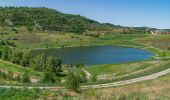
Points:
x=51, y=67
x=39, y=63
x=42, y=18
x=48, y=19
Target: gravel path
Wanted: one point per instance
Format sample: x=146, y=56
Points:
x=119, y=83
x=135, y=80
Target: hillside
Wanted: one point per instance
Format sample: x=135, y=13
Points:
x=49, y=19
x=42, y=18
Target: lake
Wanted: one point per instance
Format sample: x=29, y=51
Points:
x=96, y=54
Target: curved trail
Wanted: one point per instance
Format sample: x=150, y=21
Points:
x=88, y=75
x=135, y=80
x=106, y=85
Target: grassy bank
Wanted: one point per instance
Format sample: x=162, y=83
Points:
x=157, y=89
x=118, y=72
x=16, y=69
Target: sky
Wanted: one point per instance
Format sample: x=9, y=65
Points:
x=150, y=13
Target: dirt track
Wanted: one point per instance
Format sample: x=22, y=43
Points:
x=119, y=83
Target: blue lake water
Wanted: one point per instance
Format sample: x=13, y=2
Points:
x=96, y=54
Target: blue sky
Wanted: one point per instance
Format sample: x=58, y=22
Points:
x=152, y=13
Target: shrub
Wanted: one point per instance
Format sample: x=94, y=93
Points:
x=72, y=82
x=79, y=65
x=15, y=56
x=10, y=75
x=94, y=78
x=18, y=78
x=26, y=78
x=5, y=53
x=26, y=57
x=48, y=78
x=83, y=78
x=4, y=75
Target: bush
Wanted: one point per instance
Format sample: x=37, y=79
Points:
x=26, y=79
x=26, y=57
x=83, y=78
x=72, y=82
x=4, y=75
x=18, y=78
x=10, y=75
x=79, y=65
x=5, y=53
x=48, y=78
x=1, y=73
x=15, y=56
x=94, y=78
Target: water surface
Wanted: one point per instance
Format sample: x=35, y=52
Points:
x=96, y=54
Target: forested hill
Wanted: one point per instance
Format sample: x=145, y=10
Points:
x=49, y=19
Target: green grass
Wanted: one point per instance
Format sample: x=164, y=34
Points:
x=157, y=89
x=19, y=94
x=116, y=68
x=7, y=66
x=118, y=72
x=158, y=41
x=41, y=40
x=36, y=94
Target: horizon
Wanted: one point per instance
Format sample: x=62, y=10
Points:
x=145, y=13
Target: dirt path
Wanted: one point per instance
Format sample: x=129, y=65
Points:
x=88, y=75
x=135, y=80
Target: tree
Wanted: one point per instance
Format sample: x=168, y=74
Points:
x=72, y=82
x=26, y=78
x=5, y=53
x=50, y=65
x=26, y=57
x=57, y=64
x=15, y=56
x=78, y=26
x=39, y=63
x=54, y=65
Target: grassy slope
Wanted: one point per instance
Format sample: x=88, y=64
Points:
x=117, y=72
x=16, y=69
x=157, y=89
